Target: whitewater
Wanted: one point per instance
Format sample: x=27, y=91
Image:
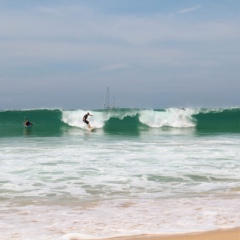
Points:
x=142, y=171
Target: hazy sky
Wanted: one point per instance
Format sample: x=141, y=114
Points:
x=150, y=53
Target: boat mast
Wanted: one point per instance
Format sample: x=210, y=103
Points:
x=106, y=101
x=113, y=103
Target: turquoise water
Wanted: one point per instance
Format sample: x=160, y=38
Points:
x=57, y=122
x=140, y=172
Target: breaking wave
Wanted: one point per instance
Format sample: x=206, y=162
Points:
x=50, y=122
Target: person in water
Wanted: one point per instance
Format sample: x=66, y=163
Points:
x=27, y=123
x=85, y=119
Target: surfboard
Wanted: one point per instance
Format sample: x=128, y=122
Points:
x=27, y=126
x=91, y=128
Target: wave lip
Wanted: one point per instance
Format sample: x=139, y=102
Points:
x=173, y=117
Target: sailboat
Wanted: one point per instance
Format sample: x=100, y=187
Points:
x=106, y=104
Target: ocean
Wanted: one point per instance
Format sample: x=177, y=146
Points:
x=141, y=171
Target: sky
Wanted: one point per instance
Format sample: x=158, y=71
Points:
x=150, y=53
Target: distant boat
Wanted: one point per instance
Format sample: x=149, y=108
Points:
x=106, y=104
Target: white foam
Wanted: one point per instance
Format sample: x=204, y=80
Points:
x=172, y=117
x=93, y=187
x=120, y=217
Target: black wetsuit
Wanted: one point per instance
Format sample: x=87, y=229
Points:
x=27, y=123
x=85, y=119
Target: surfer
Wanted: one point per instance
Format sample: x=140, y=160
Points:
x=85, y=119
x=27, y=123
